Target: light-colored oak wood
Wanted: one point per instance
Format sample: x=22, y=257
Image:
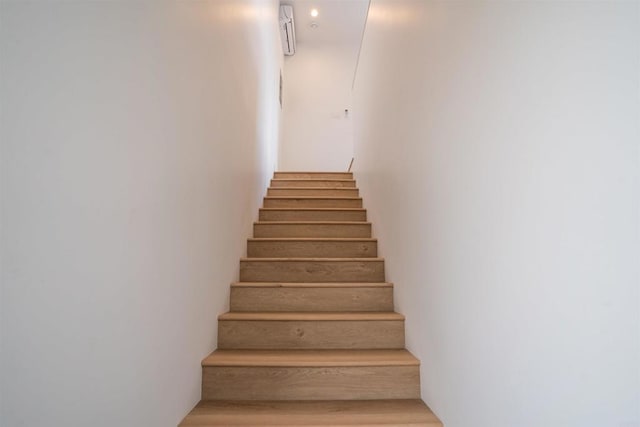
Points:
x=311, y=358
x=312, y=247
x=306, y=298
x=313, y=191
x=361, y=413
x=312, y=285
x=311, y=229
x=310, y=214
x=313, y=175
x=311, y=383
x=347, y=183
x=312, y=270
x=310, y=330
x=312, y=202
x=310, y=317
x=311, y=338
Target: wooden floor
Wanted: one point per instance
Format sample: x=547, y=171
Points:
x=312, y=338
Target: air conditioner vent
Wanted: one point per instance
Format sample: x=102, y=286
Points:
x=287, y=30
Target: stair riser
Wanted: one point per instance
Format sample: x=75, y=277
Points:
x=312, y=249
x=313, y=334
x=312, y=230
x=312, y=299
x=312, y=271
x=318, y=192
x=282, y=183
x=312, y=203
x=312, y=215
x=309, y=383
x=312, y=175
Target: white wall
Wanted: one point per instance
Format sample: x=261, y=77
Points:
x=137, y=140
x=496, y=146
x=316, y=133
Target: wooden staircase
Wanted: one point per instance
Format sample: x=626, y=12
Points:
x=311, y=338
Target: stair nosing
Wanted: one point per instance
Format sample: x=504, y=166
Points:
x=314, y=179
x=312, y=222
x=311, y=316
x=305, y=358
x=311, y=285
x=315, y=209
x=315, y=172
x=312, y=259
x=313, y=197
x=312, y=239
x=314, y=188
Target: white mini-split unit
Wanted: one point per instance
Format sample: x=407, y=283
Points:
x=287, y=30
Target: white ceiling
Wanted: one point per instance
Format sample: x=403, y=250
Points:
x=339, y=21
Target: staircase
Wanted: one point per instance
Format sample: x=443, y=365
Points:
x=311, y=338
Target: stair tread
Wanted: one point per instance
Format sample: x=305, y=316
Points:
x=389, y=412
x=314, y=197
x=312, y=285
x=312, y=223
x=311, y=316
x=308, y=358
x=371, y=259
x=315, y=209
x=314, y=188
x=314, y=179
x=318, y=172
x=312, y=239
x=294, y=259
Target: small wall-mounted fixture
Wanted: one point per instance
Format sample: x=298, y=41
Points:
x=287, y=30
x=314, y=12
x=314, y=25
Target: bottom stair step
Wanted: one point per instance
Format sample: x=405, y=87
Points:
x=379, y=413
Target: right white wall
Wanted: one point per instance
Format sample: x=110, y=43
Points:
x=497, y=148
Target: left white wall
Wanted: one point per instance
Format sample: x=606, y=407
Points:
x=137, y=139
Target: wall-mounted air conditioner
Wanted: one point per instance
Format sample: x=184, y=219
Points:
x=287, y=30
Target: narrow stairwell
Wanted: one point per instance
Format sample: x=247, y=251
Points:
x=311, y=338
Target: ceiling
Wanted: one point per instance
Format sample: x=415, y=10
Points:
x=339, y=21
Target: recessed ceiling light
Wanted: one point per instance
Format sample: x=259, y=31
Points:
x=314, y=12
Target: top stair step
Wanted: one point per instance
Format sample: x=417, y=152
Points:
x=313, y=175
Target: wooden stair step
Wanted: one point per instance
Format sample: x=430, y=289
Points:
x=312, y=214
x=313, y=191
x=312, y=202
x=313, y=182
x=278, y=316
x=311, y=358
x=310, y=330
x=312, y=229
x=322, y=297
x=312, y=270
x=311, y=285
x=310, y=375
x=312, y=175
x=362, y=413
x=313, y=247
